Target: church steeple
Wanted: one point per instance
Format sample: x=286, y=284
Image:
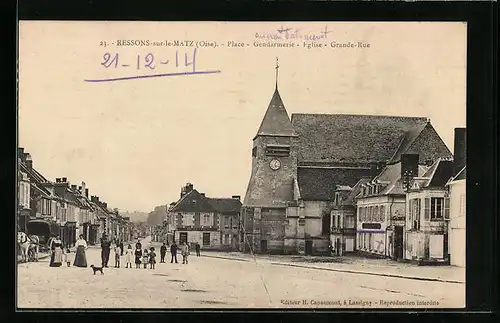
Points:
x=276, y=121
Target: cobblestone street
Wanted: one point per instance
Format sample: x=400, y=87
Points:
x=208, y=282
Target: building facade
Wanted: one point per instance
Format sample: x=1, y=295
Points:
x=344, y=218
x=210, y=222
x=427, y=215
x=381, y=209
x=458, y=201
x=297, y=163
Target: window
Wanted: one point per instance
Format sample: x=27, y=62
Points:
x=415, y=214
x=376, y=215
x=277, y=150
x=437, y=208
x=226, y=222
x=206, y=239
x=206, y=219
x=382, y=213
x=231, y=222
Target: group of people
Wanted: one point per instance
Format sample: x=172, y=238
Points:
x=184, y=249
x=60, y=255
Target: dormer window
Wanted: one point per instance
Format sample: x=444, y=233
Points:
x=278, y=150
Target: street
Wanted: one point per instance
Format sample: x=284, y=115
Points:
x=209, y=282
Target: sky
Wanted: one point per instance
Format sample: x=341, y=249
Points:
x=136, y=142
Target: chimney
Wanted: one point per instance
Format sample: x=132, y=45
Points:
x=27, y=159
x=236, y=197
x=202, y=194
x=92, y=199
x=64, y=180
x=80, y=189
x=73, y=187
x=58, y=180
x=409, y=167
x=87, y=193
x=459, y=150
x=105, y=205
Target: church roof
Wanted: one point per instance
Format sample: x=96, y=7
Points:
x=276, y=121
x=343, y=138
x=319, y=184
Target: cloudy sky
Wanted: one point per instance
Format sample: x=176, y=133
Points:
x=136, y=142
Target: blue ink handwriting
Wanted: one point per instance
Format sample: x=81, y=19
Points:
x=148, y=62
x=284, y=33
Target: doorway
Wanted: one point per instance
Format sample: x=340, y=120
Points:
x=183, y=237
x=398, y=242
x=338, y=246
x=263, y=246
x=309, y=247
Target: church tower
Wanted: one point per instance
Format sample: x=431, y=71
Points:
x=271, y=184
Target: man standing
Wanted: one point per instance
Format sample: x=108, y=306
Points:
x=138, y=245
x=197, y=249
x=185, y=252
x=173, y=251
x=121, y=247
x=163, y=251
x=105, y=249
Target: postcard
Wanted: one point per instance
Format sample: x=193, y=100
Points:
x=274, y=165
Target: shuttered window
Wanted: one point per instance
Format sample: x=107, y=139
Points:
x=277, y=151
x=447, y=208
x=427, y=209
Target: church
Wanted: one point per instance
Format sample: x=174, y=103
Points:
x=298, y=163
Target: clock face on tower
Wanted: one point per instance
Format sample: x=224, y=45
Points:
x=275, y=164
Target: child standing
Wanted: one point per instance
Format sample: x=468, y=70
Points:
x=152, y=258
x=67, y=257
x=128, y=256
x=138, y=257
x=145, y=258
x=117, y=256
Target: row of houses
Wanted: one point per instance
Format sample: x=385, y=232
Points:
x=408, y=211
x=383, y=186
x=59, y=208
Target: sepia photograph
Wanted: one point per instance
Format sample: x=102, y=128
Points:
x=254, y=165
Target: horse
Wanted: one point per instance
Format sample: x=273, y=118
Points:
x=33, y=248
x=23, y=243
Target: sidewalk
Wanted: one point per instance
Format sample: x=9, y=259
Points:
x=355, y=265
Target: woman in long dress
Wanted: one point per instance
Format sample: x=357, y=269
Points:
x=80, y=257
x=56, y=257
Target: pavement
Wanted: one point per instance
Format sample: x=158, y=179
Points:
x=218, y=280
x=356, y=265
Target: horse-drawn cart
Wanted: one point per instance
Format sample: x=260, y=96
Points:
x=44, y=229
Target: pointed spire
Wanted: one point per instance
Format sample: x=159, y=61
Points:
x=276, y=121
x=277, y=67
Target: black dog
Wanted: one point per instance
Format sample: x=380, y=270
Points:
x=96, y=269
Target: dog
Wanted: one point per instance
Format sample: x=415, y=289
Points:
x=96, y=269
